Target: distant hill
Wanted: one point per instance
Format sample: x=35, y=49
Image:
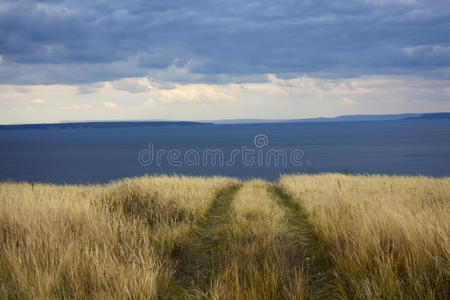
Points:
x=76, y=125
x=344, y=118
x=432, y=116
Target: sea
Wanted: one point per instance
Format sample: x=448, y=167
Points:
x=244, y=151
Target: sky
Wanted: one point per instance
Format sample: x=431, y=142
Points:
x=206, y=60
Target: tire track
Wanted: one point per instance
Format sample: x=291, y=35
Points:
x=197, y=252
x=315, y=265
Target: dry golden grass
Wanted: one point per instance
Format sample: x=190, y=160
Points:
x=259, y=258
x=384, y=237
x=170, y=206
x=100, y=242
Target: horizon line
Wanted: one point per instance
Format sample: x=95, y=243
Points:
x=223, y=120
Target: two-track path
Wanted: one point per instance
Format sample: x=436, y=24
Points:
x=195, y=266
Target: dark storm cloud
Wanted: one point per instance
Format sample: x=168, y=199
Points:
x=219, y=41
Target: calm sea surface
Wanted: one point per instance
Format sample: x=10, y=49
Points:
x=245, y=151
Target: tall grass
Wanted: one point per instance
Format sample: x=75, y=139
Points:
x=384, y=237
x=259, y=258
x=381, y=237
x=103, y=242
x=169, y=206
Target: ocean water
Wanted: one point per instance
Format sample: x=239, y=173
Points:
x=408, y=147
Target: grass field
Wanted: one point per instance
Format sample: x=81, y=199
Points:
x=383, y=237
x=307, y=237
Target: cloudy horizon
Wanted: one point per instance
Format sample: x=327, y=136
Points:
x=117, y=60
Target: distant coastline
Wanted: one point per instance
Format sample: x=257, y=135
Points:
x=343, y=118
x=118, y=124
x=111, y=124
x=432, y=116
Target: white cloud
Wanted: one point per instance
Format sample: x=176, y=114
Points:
x=278, y=97
x=76, y=107
x=195, y=93
x=347, y=100
x=8, y=93
x=37, y=101
x=70, y=107
x=110, y=104
x=149, y=102
x=318, y=87
x=28, y=108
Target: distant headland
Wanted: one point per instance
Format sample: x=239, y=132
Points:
x=109, y=124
